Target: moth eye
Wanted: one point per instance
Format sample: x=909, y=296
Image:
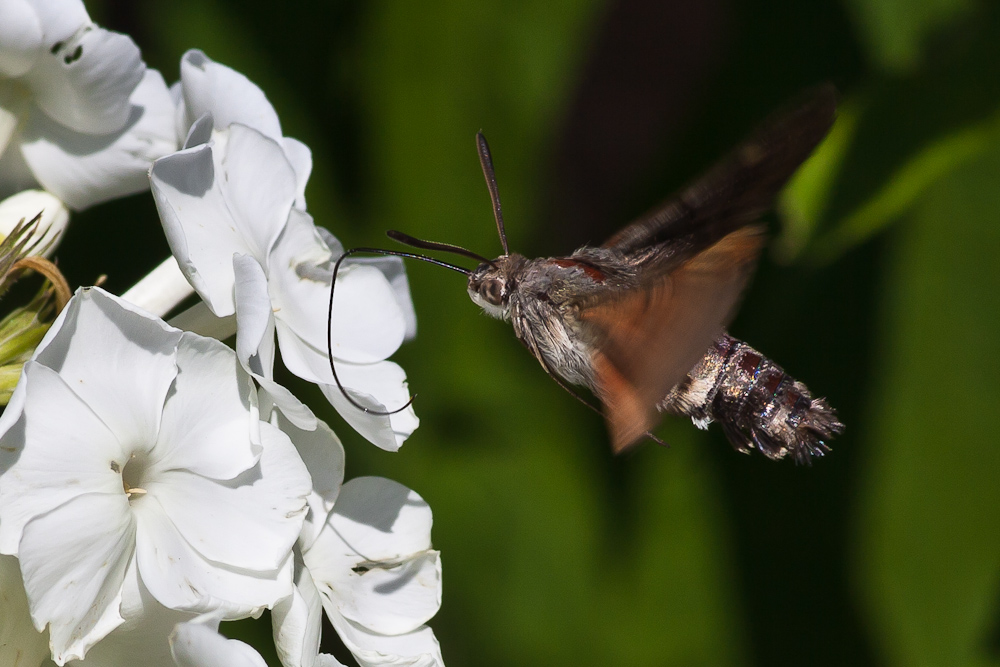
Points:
x=492, y=292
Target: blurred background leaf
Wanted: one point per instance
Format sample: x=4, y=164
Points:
x=929, y=507
x=806, y=197
x=932, y=163
x=894, y=31
x=557, y=553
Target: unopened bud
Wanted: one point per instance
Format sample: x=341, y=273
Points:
x=28, y=204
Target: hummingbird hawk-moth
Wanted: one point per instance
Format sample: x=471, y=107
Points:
x=640, y=320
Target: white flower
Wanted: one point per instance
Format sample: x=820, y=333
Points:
x=209, y=88
x=375, y=571
x=376, y=574
x=227, y=208
x=79, y=112
x=130, y=443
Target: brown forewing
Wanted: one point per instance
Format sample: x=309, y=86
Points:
x=737, y=190
x=647, y=339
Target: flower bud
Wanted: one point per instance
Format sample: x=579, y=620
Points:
x=26, y=205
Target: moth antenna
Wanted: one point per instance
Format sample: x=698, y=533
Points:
x=486, y=162
x=406, y=239
x=329, y=319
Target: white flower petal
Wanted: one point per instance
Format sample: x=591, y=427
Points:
x=208, y=87
x=325, y=660
x=199, y=319
x=390, y=597
x=142, y=638
x=196, y=645
x=84, y=82
x=20, y=643
x=379, y=387
x=300, y=158
x=255, y=339
x=254, y=321
x=15, y=174
x=213, y=401
x=86, y=169
x=216, y=200
x=419, y=648
x=198, y=224
x=375, y=560
x=296, y=622
x=60, y=19
x=253, y=520
x=382, y=519
x=26, y=205
x=74, y=560
x=368, y=324
x=335, y=246
x=69, y=455
x=260, y=187
x=181, y=578
x=291, y=407
x=9, y=120
x=323, y=456
x=20, y=37
x=394, y=270
x=375, y=428
x=127, y=400
x=200, y=131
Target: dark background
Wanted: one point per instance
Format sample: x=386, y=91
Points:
x=882, y=296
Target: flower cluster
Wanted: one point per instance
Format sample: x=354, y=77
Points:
x=154, y=482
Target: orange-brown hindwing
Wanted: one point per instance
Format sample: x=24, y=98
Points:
x=648, y=339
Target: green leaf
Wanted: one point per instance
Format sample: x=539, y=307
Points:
x=803, y=202
x=935, y=161
x=928, y=557
x=894, y=31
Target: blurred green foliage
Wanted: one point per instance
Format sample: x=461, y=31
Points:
x=885, y=300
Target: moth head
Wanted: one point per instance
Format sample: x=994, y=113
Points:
x=491, y=284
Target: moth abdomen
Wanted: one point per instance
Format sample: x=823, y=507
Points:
x=758, y=405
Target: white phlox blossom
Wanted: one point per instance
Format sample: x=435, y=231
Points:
x=208, y=88
x=372, y=569
x=153, y=482
x=79, y=112
x=137, y=479
x=228, y=206
x=209, y=93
